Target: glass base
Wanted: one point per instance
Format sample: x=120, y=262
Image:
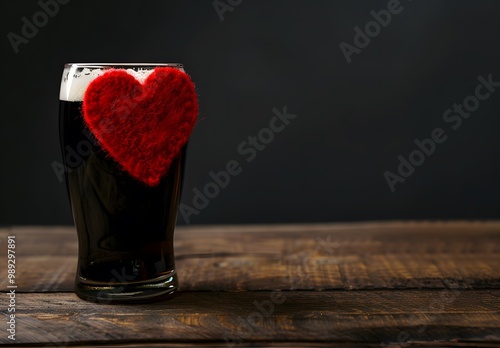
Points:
x=154, y=290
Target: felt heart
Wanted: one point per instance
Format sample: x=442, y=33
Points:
x=143, y=127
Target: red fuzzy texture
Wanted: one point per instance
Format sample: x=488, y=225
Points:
x=143, y=127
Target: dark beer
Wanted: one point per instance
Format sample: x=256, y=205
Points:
x=125, y=228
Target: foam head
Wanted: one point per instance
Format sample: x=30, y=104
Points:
x=77, y=77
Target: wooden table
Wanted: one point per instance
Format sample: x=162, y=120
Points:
x=365, y=284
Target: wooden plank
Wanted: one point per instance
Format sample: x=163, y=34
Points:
x=400, y=237
x=307, y=316
x=294, y=257
x=444, y=344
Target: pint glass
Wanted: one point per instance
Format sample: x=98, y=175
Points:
x=125, y=228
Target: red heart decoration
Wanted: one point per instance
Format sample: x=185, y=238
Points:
x=143, y=127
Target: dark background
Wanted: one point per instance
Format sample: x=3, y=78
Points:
x=353, y=120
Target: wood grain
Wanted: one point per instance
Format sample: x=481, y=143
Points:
x=292, y=257
x=336, y=316
x=393, y=284
x=309, y=344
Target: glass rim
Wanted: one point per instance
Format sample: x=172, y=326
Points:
x=121, y=65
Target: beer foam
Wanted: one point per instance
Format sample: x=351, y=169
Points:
x=77, y=77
